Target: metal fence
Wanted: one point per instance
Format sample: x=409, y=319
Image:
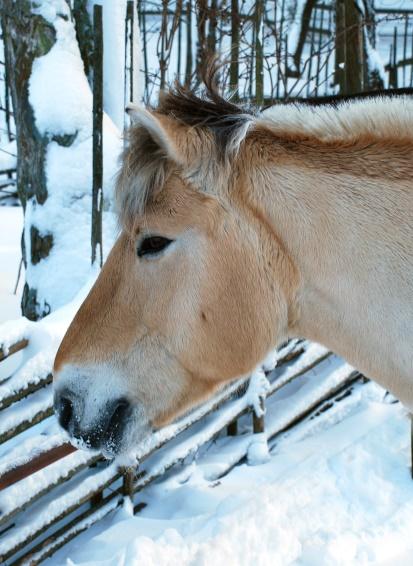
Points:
x=275, y=50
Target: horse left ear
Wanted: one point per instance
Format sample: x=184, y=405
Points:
x=163, y=131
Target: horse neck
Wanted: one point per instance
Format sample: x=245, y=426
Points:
x=328, y=219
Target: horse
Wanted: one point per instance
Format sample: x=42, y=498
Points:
x=240, y=229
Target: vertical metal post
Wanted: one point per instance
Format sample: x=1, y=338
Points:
x=395, y=68
x=97, y=189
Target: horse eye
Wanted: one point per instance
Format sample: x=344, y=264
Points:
x=153, y=245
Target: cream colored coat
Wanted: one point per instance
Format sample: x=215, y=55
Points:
x=296, y=222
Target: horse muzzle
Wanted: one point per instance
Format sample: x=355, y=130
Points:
x=105, y=433
x=94, y=407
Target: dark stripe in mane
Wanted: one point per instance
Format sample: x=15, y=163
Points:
x=209, y=109
x=206, y=109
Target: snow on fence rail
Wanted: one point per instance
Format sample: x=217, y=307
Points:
x=49, y=492
x=6, y=351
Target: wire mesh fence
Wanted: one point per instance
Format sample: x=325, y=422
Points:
x=277, y=50
x=274, y=49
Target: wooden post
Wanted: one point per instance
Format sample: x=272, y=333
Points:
x=258, y=421
x=97, y=498
x=232, y=428
x=97, y=189
x=128, y=483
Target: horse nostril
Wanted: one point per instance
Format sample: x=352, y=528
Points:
x=120, y=411
x=65, y=412
x=104, y=429
x=107, y=430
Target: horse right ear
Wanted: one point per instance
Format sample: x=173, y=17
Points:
x=162, y=130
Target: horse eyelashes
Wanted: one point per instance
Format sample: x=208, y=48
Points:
x=153, y=245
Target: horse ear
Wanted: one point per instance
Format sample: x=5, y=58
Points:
x=159, y=129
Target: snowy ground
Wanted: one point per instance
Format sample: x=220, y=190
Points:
x=336, y=490
x=11, y=224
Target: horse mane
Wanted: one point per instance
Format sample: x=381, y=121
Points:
x=379, y=114
x=207, y=108
x=341, y=120
x=146, y=167
x=379, y=119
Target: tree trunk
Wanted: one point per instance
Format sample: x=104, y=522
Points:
x=259, y=51
x=350, y=47
x=188, y=64
x=84, y=35
x=97, y=187
x=52, y=106
x=235, y=33
x=212, y=31
x=372, y=78
x=355, y=53
x=202, y=47
x=27, y=36
x=340, y=47
x=305, y=25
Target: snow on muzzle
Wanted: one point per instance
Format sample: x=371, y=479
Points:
x=96, y=416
